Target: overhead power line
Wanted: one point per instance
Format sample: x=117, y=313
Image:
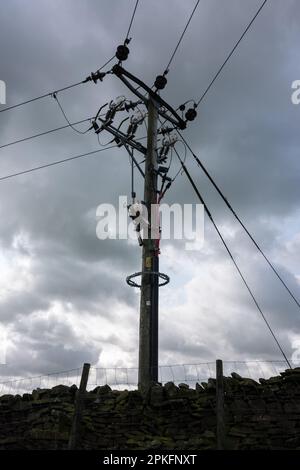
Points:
x=57, y=162
x=66, y=117
x=45, y=133
x=106, y=63
x=40, y=97
x=182, y=35
x=131, y=20
x=51, y=93
x=231, y=53
x=200, y=164
x=231, y=257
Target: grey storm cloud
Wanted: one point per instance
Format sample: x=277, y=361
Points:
x=246, y=133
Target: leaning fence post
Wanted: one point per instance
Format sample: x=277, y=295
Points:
x=79, y=404
x=220, y=405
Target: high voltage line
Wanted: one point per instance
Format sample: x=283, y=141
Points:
x=131, y=20
x=182, y=35
x=201, y=165
x=8, y=108
x=54, y=92
x=230, y=54
x=232, y=257
x=34, y=136
x=57, y=162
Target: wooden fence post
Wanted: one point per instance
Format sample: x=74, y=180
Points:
x=79, y=405
x=220, y=405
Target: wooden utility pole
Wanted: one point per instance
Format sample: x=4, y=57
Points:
x=148, y=345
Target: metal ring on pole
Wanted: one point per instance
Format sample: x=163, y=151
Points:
x=131, y=283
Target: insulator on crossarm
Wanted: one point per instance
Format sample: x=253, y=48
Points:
x=117, y=102
x=131, y=105
x=95, y=76
x=138, y=117
x=191, y=114
x=132, y=128
x=114, y=106
x=96, y=127
x=110, y=114
x=122, y=53
x=160, y=82
x=163, y=154
x=165, y=130
x=170, y=140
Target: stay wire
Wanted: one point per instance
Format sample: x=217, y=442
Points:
x=232, y=258
x=201, y=165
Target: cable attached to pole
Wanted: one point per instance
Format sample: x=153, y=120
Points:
x=161, y=80
x=57, y=162
x=231, y=256
x=200, y=164
x=34, y=136
x=181, y=37
x=231, y=53
x=8, y=108
x=131, y=21
x=93, y=77
x=66, y=118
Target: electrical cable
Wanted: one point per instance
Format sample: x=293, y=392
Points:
x=104, y=145
x=200, y=164
x=133, y=158
x=58, y=162
x=131, y=21
x=181, y=37
x=40, y=97
x=231, y=256
x=45, y=95
x=44, y=133
x=231, y=53
x=66, y=118
x=185, y=155
x=106, y=63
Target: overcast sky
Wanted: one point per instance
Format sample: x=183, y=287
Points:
x=63, y=295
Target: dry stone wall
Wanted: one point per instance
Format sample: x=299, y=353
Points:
x=258, y=415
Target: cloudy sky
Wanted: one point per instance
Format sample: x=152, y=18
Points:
x=63, y=295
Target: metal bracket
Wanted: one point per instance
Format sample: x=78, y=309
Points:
x=121, y=136
x=131, y=283
x=175, y=119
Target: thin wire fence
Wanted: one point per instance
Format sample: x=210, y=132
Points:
x=19, y=386
x=127, y=378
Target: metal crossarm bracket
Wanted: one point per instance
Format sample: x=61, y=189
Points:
x=175, y=119
x=122, y=137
